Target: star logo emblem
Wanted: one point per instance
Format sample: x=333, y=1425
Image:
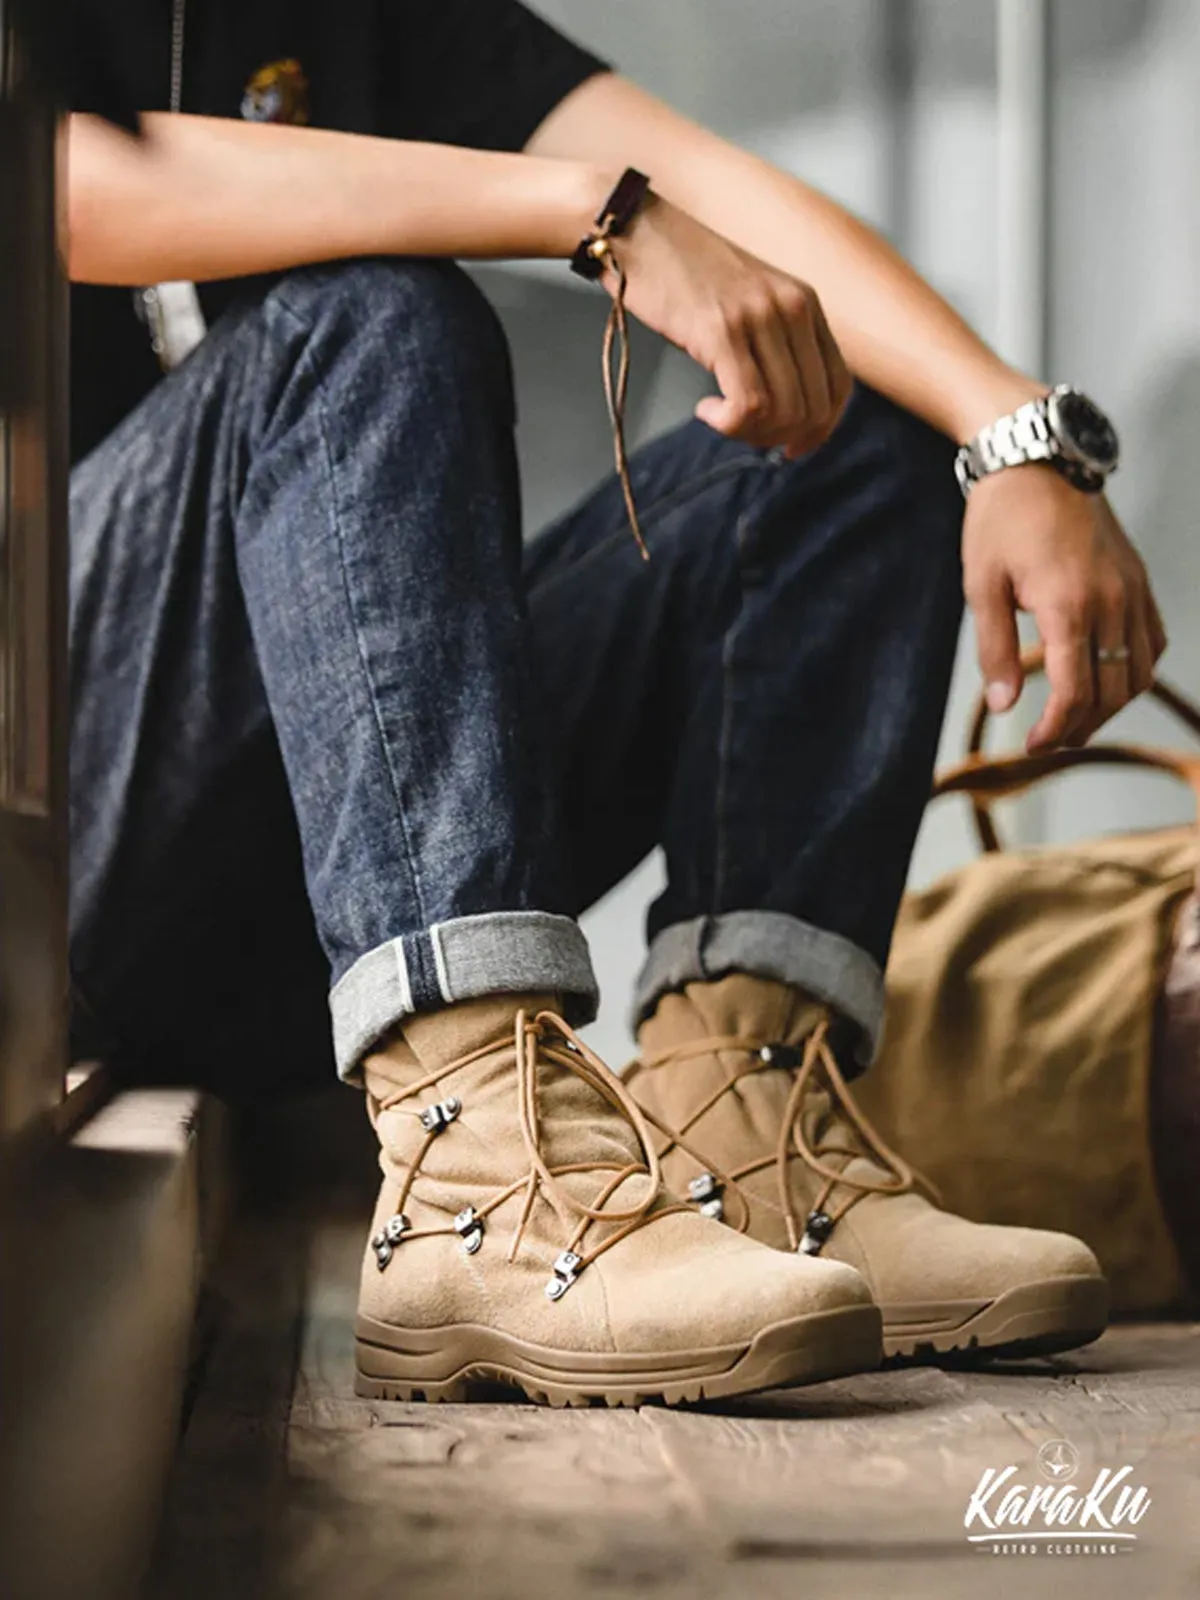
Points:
x=1059, y=1460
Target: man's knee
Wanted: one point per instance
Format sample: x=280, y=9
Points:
x=402, y=311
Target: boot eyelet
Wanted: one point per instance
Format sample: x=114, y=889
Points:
x=779, y=1055
x=469, y=1228
x=396, y=1228
x=389, y=1236
x=437, y=1118
x=567, y=1268
x=818, y=1225
x=705, y=1192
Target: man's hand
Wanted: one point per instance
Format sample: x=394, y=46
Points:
x=761, y=333
x=1033, y=543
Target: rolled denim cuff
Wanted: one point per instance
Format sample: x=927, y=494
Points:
x=767, y=944
x=502, y=952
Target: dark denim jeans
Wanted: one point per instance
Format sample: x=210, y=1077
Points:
x=333, y=728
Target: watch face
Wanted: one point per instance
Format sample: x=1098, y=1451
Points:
x=1084, y=431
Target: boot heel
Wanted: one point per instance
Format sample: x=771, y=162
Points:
x=414, y=1364
x=372, y=1388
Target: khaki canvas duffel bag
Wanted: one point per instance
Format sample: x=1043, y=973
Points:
x=1041, y=1057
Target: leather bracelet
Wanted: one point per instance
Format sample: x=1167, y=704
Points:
x=617, y=212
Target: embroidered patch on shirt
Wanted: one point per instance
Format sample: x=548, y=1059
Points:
x=277, y=92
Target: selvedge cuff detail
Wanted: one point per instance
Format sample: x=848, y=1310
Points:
x=501, y=952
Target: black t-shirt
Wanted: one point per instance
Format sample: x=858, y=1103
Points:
x=482, y=73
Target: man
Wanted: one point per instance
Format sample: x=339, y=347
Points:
x=318, y=686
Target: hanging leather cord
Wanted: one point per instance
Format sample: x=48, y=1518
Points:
x=616, y=333
x=594, y=254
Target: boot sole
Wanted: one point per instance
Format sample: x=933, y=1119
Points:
x=442, y=1363
x=1035, y=1319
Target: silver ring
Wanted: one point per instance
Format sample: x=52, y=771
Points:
x=1107, y=657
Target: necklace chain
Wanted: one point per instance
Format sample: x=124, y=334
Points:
x=148, y=301
x=178, y=27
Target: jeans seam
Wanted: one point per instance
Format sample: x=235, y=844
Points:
x=359, y=643
x=278, y=293
x=745, y=524
x=725, y=732
x=657, y=509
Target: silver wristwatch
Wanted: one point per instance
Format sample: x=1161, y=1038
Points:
x=1064, y=430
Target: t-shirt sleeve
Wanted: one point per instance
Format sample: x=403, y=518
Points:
x=63, y=42
x=482, y=73
x=99, y=54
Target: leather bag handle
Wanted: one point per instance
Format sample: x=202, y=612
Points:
x=988, y=779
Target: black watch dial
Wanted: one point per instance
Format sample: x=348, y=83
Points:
x=1085, y=432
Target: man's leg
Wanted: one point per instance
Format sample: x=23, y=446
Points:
x=765, y=698
x=298, y=568
x=296, y=594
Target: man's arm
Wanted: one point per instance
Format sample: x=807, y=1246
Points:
x=897, y=334
x=1031, y=541
x=204, y=198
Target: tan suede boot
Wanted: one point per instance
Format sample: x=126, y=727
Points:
x=739, y=1078
x=522, y=1234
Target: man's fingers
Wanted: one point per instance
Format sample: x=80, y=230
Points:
x=997, y=641
x=791, y=400
x=800, y=319
x=1142, y=654
x=841, y=383
x=1157, y=632
x=1125, y=651
x=1069, y=562
x=1066, y=638
x=1113, y=657
x=743, y=408
x=780, y=372
x=825, y=376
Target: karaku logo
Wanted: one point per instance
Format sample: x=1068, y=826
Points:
x=1058, y=1460
x=1060, y=1516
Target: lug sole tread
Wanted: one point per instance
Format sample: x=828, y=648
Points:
x=1035, y=1319
x=810, y=1349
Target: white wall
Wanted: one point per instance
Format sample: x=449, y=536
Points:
x=888, y=104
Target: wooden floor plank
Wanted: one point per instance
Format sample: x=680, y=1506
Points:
x=855, y=1488
x=100, y=1236
x=487, y=1498
x=229, y=1484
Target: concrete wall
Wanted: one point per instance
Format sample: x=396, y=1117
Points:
x=889, y=105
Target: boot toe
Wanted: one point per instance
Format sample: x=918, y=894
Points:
x=946, y=1284
x=982, y=1260
x=700, y=1282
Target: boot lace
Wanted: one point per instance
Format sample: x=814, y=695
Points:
x=539, y=1041
x=826, y=1149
